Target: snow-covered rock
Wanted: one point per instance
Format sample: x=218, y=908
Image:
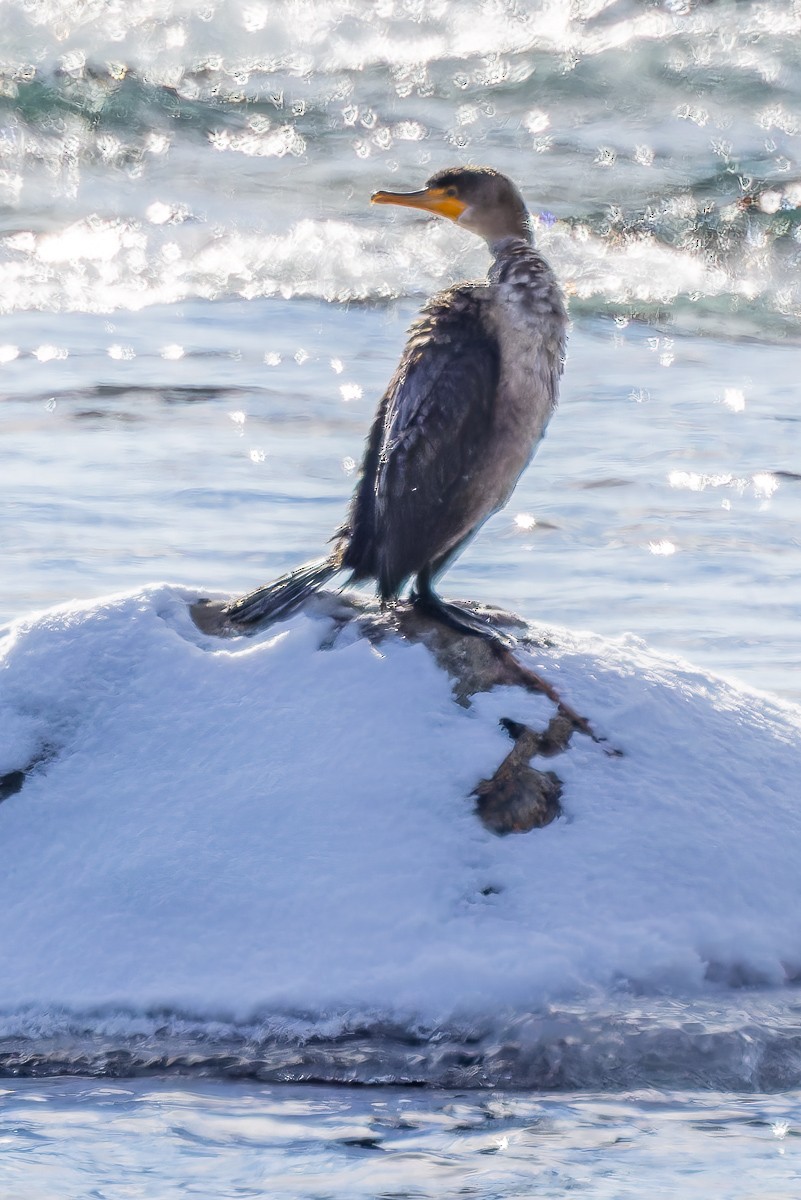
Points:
x=253, y=829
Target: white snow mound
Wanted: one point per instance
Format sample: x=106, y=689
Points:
x=256, y=825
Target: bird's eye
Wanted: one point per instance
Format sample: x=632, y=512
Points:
x=451, y=191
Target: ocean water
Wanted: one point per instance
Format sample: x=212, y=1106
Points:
x=199, y=312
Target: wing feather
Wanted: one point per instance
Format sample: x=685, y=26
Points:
x=436, y=423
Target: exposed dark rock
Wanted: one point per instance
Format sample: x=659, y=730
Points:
x=518, y=797
x=11, y=783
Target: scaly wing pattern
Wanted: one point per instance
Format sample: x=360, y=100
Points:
x=416, y=503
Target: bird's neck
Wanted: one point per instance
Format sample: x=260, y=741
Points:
x=502, y=247
x=519, y=269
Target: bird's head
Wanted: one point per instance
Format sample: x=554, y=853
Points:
x=476, y=198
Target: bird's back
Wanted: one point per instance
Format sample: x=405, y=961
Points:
x=424, y=443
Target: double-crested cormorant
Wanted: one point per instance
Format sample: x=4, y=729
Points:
x=461, y=418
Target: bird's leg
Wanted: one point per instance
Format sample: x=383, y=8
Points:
x=426, y=601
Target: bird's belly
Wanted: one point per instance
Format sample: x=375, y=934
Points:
x=517, y=430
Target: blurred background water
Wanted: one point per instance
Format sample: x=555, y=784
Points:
x=200, y=311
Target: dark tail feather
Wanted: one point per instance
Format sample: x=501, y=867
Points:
x=281, y=598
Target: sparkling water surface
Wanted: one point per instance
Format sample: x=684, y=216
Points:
x=137, y=1139
x=199, y=313
x=217, y=445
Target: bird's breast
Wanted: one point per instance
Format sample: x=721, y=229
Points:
x=531, y=343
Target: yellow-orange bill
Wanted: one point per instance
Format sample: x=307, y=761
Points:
x=434, y=200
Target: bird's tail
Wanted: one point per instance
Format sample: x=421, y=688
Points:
x=285, y=595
